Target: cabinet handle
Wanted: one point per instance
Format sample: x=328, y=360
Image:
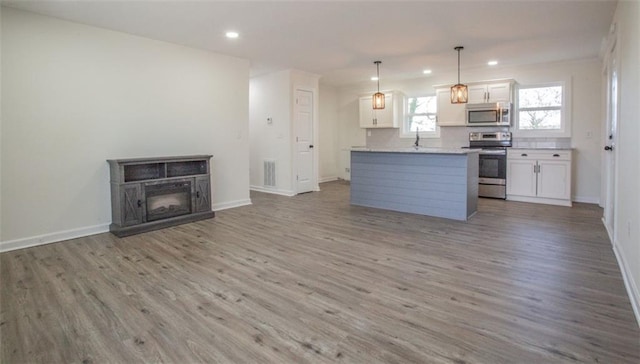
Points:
x=556, y=155
x=524, y=155
x=197, y=194
x=488, y=96
x=139, y=203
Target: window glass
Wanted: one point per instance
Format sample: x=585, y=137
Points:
x=421, y=115
x=540, y=108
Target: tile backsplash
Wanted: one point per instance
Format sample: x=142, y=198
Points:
x=454, y=137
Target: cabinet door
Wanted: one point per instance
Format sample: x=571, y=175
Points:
x=477, y=94
x=203, y=194
x=366, y=112
x=449, y=114
x=553, y=179
x=384, y=118
x=499, y=92
x=131, y=204
x=521, y=177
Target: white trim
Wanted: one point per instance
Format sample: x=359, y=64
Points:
x=274, y=191
x=230, y=204
x=587, y=199
x=629, y=283
x=548, y=201
x=328, y=179
x=32, y=241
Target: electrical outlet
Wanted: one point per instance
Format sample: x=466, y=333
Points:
x=348, y=170
x=589, y=134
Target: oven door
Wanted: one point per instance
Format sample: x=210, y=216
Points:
x=493, y=168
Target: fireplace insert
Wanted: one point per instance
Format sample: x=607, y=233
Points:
x=169, y=199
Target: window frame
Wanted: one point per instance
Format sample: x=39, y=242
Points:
x=565, y=112
x=404, y=129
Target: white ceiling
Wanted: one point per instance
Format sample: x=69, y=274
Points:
x=340, y=40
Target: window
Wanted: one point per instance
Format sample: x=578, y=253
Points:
x=542, y=111
x=420, y=116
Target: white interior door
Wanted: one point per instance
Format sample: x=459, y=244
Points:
x=610, y=140
x=303, y=111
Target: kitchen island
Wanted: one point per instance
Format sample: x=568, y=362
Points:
x=437, y=182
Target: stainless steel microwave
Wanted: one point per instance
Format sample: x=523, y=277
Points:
x=490, y=114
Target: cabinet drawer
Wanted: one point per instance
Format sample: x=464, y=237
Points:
x=537, y=154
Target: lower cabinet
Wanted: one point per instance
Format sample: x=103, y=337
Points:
x=540, y=176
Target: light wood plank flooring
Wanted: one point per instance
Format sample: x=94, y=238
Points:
x=311, y=279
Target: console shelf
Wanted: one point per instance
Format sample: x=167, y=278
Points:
x=187, y=181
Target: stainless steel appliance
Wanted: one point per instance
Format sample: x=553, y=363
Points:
x=492, y=181
x=490, y=114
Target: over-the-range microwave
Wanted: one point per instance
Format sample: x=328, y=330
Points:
x=489, y=114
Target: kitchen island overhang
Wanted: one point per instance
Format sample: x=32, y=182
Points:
x=438, y=182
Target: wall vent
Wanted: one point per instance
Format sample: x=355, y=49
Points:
x=269, y=173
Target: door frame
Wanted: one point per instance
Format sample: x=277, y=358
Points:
x=609, y=159
x=294, y=134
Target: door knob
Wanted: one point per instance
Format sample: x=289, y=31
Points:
x=311, y=146
x=608, y=148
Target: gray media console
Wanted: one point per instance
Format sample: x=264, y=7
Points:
x=154, y=193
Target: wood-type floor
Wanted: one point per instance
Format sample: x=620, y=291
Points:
x=311, y=279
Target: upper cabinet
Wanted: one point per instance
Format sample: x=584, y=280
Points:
x=489, y=92
x=389, y=117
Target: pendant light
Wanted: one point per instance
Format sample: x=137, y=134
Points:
x=459, y=92
x=378, y=97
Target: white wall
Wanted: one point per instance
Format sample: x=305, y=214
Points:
x=328, y=140
x=270, y=97
x=75, y=95
x=627, y=199
x=586, y=110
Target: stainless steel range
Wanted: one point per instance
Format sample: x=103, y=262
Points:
x=493, y=162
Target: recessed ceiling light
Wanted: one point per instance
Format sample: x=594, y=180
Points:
x=427, y=72
x=492, y=63
x=374, y=78
x=232, y=35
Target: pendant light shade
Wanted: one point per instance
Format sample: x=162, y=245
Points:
x=459, y=92
x=378, y=97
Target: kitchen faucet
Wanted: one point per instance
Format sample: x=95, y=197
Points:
x=417, y=143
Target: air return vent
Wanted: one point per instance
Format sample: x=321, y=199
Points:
x=269, y=173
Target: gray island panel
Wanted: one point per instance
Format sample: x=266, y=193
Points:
x=434, y=184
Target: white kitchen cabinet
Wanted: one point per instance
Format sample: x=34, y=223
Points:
x=541, y=176
x=389, y=117
x=449, y=114
x=489, y=92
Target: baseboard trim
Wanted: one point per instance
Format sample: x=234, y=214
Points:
x=32, y=241
x=328, y=179
x=585, y=199
x=231, y=204
x=548, y=201
x=629, y=282
x=275, y=191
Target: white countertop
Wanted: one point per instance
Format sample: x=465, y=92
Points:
x=419, y=150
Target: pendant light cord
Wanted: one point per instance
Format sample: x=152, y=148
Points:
x=378, y=74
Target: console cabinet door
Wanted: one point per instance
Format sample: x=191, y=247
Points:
x=203, y=194
x=131, y=204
